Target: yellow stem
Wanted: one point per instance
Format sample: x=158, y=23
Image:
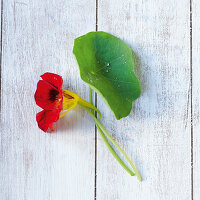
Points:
x=89, y=105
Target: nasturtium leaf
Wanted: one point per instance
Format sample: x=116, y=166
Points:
x=106, y=63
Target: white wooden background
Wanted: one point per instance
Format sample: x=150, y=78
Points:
x=162, y=133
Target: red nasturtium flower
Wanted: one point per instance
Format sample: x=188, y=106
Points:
x=53, y=99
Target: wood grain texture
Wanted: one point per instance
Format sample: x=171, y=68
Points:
x=38, y=37
x=196, y=96
x=157, y=132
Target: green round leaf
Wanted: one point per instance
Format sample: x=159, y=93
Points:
x=106, y=63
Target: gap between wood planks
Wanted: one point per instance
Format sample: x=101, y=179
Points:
x=1, y=48
x=191, y=120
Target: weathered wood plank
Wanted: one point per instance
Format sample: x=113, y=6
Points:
x=196, y=96
x=157, y=132
x=38, y=37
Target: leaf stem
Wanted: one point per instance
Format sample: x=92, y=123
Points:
x=90, y=95
x=103, y=131
x=113, y=152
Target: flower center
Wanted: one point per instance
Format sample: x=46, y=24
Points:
x=53, y=95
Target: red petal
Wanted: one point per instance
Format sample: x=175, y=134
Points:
x=46, y=96
x=46, y=118
x=53, y=79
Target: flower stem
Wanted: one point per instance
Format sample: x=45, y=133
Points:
x=113, y=152
x=88, y=105
x=103, y=131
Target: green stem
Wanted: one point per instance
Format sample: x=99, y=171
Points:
x=119, y=148
x=90, y=95
x=113, y=152
x=107, y=143
x=101, y=129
